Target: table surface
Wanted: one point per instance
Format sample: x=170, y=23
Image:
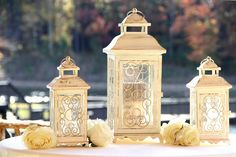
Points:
x=14, y=147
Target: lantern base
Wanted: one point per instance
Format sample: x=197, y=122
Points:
x=137, y=137
x=80, y=144
x=215, y=141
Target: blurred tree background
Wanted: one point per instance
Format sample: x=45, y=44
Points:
x=36, y=34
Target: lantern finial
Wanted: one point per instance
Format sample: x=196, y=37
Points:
x=134, y=10
x=68, y=63
x=68, y=58
x=207, y=59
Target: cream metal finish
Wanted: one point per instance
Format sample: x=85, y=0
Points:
x=68, y=105
x=209, y=103
x=134, y=65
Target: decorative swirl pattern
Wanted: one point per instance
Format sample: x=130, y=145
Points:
x=137, y=94
x=70, y=115
x=212, y=113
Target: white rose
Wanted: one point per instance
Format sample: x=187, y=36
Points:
x=90, y=124
x=101, y=134
x=169, y=132
x=180, y=133
x=36, y=137
x=188, y=136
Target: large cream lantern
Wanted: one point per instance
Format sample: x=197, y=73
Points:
x=134, y=65
x=68, y=105
x=209, y=103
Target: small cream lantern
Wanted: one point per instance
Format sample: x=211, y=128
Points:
x=68, y=105
x=209, y=103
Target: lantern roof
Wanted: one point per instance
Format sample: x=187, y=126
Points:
x=133, y=42
x=211, y=79
x=64, y=81
x=143, y=43
x=208, y=81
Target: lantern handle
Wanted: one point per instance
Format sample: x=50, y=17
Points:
x=68, y=58
x=207, y=59
x=135, y=10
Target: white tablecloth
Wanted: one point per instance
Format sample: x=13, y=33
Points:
x=14, y=147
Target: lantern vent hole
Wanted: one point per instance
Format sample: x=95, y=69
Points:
x=68, y=72
x=135, y=29
x=208, y=72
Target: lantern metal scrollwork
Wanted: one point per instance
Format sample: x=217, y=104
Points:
x=68, y=105
x=134, y=65
x=209, y=103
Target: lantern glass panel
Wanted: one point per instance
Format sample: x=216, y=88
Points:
x=137, y=88
x=70, y=115
x=212, y=112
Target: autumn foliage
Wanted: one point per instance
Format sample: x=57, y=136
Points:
x=50, y=30
x=199, y=23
